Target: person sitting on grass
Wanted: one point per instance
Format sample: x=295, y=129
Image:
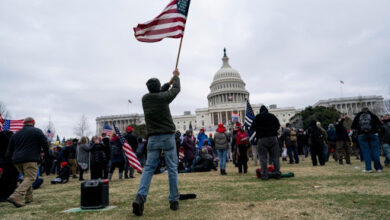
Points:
x=63, y=174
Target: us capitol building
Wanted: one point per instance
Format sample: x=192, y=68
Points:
x=227, y=95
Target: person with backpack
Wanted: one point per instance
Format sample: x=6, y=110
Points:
x=290, y=140
x=118, y=158
x=332, y=137
x=368, y=126
x=242, y=145
x=316, y=142
x=342, y=148
x=221, y=138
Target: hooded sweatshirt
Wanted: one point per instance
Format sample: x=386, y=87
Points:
x=265, y=124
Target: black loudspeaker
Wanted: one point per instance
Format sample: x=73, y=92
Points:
x=94, y=194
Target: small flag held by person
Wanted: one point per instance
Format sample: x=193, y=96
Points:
x=169, y=24
x=249, y=115
x=107, y=129
x=130, y=155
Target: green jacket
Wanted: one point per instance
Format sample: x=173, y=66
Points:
x=158, y=116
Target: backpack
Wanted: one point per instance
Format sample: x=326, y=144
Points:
x=365, y=122
x=293, y=136
x=242, y=138
x=316, y=137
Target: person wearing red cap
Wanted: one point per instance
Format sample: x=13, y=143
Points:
x=133, y=142
x=25, y=150
x=222, y=138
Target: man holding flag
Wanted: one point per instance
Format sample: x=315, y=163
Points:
x=161, y=130
x=170, y=23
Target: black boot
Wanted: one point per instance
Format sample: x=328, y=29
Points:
x=138, y=206
x=341, y=162
x=224, y=172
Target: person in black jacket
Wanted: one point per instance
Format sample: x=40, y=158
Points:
x=107, y=151
x=133, y=142
x=266, y=126
x=368, y=126
x=118, y=158
x=8, y=180
x=342, y=148
x=25, y=151
x=316, y=142
x=98, y=159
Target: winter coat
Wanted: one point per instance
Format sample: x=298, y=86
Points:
x=332, y=136
x=386, y=133
x=117, y=154
x=158, y=116
x=107, y=148
x=69, y=152
x=265, y=124
x=375, y=123
x=26, y=145
x=132, y=140
x=221, y=141
x=83, y=155
x=97, y=154
x=201, y=138
x=341, y=131
x=189, y=147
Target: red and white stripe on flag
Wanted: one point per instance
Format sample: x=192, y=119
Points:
x=169, y=24
x=131, y=157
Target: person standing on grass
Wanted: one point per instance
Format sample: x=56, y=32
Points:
x=221, y=139
x=25, y=151
x=342, y=148
x=118, y=158
x=266, y=126
x=368, y=125
x=161, y=131
x=386, y=139
x=133, y=142
x=189, y=148
x=290, y=140
x=83, y=156
x=316, y=142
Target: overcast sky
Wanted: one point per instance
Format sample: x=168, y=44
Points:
x=62, y=59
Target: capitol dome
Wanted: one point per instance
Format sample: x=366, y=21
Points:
x=227, y=87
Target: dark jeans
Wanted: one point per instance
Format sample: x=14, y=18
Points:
x=369, y=144
x=290, y=149
x=317, y=151
x=120, y=165
x=242, y=162
x=269, y=145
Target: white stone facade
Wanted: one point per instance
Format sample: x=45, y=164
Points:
x=353, y=105
x=227, y=94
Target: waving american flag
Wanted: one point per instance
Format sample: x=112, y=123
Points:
x=130, y=155
x=169, y=24
x=11, y=125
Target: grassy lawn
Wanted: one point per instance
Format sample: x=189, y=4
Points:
x=330, y=192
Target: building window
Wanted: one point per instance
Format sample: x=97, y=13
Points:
x=184, y=127
x=202, y=123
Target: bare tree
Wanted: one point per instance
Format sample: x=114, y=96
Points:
x=3, y=110
x=82, y=127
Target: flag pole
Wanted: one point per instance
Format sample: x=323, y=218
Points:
x=178, y=53
x=181, y=40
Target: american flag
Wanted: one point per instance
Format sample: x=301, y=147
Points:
x=169, y=24
x=249, y=115
x=130, y=155
x=107, y=129
x=49, y=134
x=12, y=125
x=235, y=117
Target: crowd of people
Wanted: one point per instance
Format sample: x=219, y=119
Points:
x=28, y=152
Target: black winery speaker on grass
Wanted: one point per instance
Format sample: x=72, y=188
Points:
x=94, y=194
